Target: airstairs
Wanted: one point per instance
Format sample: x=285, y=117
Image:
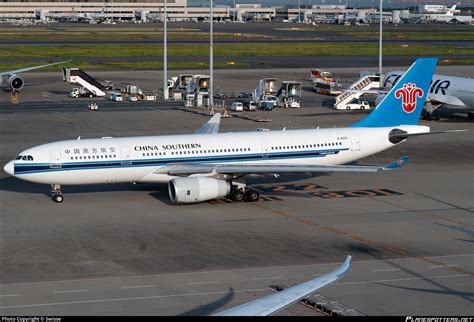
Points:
x=364, y=85
x=79, y=77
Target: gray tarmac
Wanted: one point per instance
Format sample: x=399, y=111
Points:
x=125, y=250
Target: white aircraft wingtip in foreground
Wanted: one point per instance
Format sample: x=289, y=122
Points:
x=207, y=165
x=274, y=303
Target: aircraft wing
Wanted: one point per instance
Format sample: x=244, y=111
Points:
x=276, y=302
x=445, y=99
x=211, y=126
x=26, y=69
x=255, y=168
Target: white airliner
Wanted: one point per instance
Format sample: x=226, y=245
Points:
x=11, y=81
x=274, y=303
x=208, y=165
x=453, y=93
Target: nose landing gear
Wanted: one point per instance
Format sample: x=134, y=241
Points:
x=57, y=193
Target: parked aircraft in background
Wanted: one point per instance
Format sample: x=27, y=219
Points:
x=274, y=303
x=207, y=165
x=453, y=93
x=12, y=82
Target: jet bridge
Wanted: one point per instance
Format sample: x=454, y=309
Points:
x=79, y=77
x=364, y=85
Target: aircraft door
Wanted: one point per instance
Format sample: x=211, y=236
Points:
x=264, y=150
x=125, y=156
x=355, y=142
x=55, y=159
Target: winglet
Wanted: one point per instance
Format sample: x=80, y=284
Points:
x=278, y=301
x=396, y=164
x=211, y=126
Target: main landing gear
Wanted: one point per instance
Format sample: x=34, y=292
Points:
x=244, y=194
x=56, y=193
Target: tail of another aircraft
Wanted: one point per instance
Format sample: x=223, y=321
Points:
x=451, y=11
x=404, y=103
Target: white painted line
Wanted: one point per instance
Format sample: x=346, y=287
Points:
x=70, y=291
x=139, y=286
x=436, y=266
x=402, y=279
x=210, y=293
x=318, y=274
x=130, y=298
x=237, y=270
x=452, y=265
x=7, y=295
x=385, y=270
x=204, y=282
x=267, y=278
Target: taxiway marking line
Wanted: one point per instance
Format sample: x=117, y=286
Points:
x=364, y=240
x=238, y=270
x=401, y=279
x=395, y=249
x=129, y=298
x=203, y=282
x=217, y=292
x=385, y=270
x=334, y=230
x=139, y=286
x=9, y=295
x=267, y=278
x=70, y=291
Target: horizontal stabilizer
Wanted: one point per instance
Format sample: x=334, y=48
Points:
x=397, y=164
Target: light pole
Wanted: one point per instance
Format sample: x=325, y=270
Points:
x=165, y=54
x=380, y=40
x=211, y=58
x=299, y=11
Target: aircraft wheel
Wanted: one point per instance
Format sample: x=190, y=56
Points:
x=238, y=195
x=251, y=195
x=362, y=108
x=58, y=198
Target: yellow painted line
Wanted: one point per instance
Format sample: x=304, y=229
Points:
x=304, y=221
x=461, y=270
x=281, y=213
x=367, y=241
x=334, y=230
x=394, y=249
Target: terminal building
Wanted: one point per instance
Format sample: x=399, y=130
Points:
x=195, y=10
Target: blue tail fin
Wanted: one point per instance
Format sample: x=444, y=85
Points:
x=404, y=103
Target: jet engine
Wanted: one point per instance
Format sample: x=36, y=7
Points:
x=197, y=189
x=13, y=82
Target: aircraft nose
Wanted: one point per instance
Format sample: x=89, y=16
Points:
x=8, y=168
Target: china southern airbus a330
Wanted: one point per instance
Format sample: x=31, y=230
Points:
x=208, y=165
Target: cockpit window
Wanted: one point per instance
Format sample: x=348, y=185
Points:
x=26, y=158
x=19, y=157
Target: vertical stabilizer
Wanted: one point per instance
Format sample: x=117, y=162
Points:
x=404, y=103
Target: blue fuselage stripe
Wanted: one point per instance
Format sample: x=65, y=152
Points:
x=28, y=168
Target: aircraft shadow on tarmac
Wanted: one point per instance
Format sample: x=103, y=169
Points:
x=159, y=191
x=438, y=287
x=209, y=308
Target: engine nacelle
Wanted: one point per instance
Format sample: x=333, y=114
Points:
x=14, y=82
x=197, y=189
